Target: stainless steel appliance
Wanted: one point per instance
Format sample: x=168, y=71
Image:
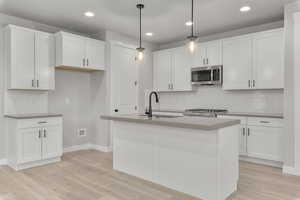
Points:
x=204, y=112
x=212, y=75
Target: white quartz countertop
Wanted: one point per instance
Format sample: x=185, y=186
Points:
x=33, y=115
x=202, y=123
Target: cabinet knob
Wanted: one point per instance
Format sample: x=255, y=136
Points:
x=116, y=110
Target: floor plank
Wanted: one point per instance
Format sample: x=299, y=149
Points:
x=88, y=175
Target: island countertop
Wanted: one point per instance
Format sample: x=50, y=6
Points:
x=201, y=123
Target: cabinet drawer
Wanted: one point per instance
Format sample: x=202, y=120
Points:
x=268, y=122
x=30, y=123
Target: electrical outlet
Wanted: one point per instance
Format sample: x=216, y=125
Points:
x=81, y=132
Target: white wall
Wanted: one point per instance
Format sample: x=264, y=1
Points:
x=266, y=101
x=289, y=109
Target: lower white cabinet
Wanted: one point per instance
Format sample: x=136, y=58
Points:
x=261, y=138
x=34, y=142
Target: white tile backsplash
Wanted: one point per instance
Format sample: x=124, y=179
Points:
x=266, y=101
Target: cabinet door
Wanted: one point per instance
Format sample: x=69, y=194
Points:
x=52, y=142
x=268, y=58
x=265, y=143
x=237, y=63
x=73, y=51
x=213, y=53
x=21, y=59
x=95, y=51
x=31, y=146
x=44, y=60
x=243, y=141
x=199, y=56
x=162, y=70
x=181, y=70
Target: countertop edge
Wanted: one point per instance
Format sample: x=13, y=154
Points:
x=33, y=116
x=173, y=124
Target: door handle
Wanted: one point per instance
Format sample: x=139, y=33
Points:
x=45, y=133
x=248, y=131
x=40, y=133
x=253, y=82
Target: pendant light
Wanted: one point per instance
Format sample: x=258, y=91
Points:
x=140, y=49
x=192, y=38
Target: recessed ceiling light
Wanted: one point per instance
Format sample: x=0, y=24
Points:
x=149, y=34
x=189, y=23
x=245, y=8
x=89, y=14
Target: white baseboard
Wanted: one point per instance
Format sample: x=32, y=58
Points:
x=3, y=162
x=291, y=171
x=262, y=161
x=87, y=146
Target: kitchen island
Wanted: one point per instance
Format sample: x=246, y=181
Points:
x=194, y=155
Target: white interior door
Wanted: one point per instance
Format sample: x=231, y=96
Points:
x=52, y=142
x=44, y=60
x=124, y=79
x=22, y=58
x=95, y=54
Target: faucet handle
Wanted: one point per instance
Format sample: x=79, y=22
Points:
x=147, y=111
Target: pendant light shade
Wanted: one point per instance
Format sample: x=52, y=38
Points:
x=140, y=49
x=192, y=38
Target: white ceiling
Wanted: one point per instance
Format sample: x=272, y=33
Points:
x=165, y=18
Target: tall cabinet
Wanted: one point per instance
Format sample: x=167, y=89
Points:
x=29, y=58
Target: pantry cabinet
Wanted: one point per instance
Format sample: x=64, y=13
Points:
x=75, y=52
x=207, y=54
x=254, y=61
x=28, y=58
x=172, y=70
x=260, y=138
x=34, y=142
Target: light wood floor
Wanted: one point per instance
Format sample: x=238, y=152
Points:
x=88, y=175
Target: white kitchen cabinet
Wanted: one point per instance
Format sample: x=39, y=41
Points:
x=261, y=138
x=207, y=54
x=34, y=142
x=268, y=60
x=237, y=63
x=29, y=58
x=254, y=61
x=74, y=52
x=172, y=70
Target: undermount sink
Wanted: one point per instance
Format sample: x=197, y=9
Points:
x=161, y=116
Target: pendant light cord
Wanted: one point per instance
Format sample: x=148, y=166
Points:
x=192, y=28
x=140, y=27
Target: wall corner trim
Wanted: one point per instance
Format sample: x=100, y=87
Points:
x=3, y=162
x=290, y=171
x=88, y=146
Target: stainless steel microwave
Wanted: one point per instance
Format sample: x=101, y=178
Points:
x=211, y=75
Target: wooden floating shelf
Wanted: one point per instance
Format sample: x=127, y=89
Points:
x=77, y=69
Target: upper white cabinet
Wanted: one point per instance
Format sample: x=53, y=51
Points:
x=237, y=63
x=172, y=70
x=268, y=59
x=254, y=61
x=207, y=54
x=79, y=53
x=29, y=58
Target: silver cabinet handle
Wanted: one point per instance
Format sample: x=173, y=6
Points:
x=40, y=133
x=253, y=83
x=87, y=62
x=248, y=131
x=207, y=61
x=45, y=133
x=32, y=83
x=265, y=122
x=244, y=131
x=37, y=83
x=83, y=62
x=249, y=83
x=203, y=61
x=172, y=86
x=42, y=122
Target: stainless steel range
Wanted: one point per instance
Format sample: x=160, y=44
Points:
x=204, y=112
